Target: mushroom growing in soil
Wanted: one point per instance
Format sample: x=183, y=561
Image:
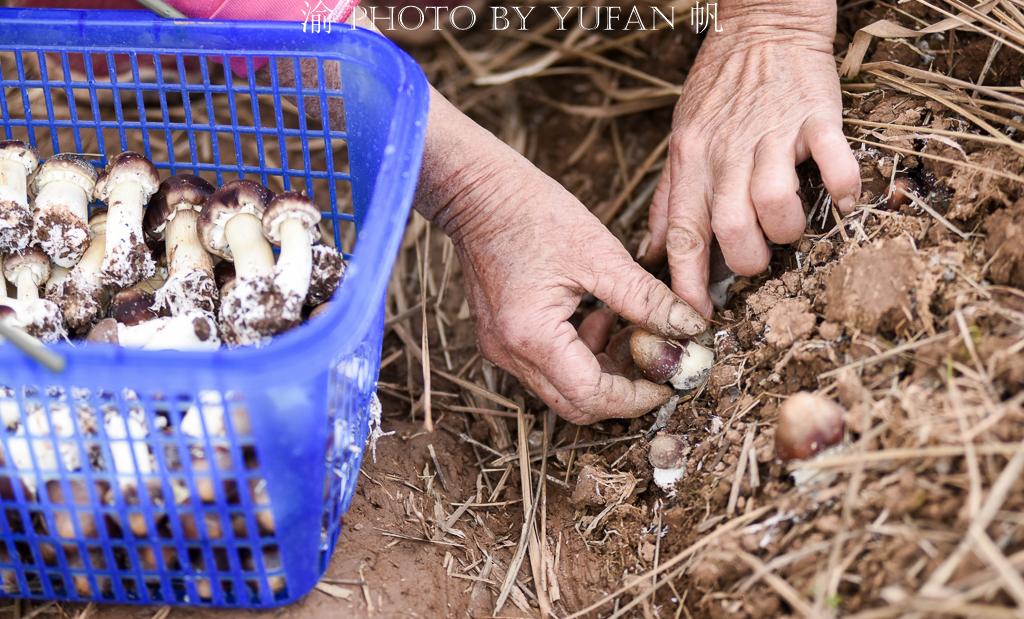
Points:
x=328, y=271
x=252, y=307
x=807, y=424
x=668, y=459
x=18, y=161
x=291, y=221
x=38, y=317
x=81, y=295
x=62, y=188
x=126, y=186
x=171, y=217
x=684, y=365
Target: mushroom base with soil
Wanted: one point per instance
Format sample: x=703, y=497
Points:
x=81, y=300
x=253, y=310
x=63, y=237
x=15, y=226
x=192, y=291
x=128, y=263
x=39, y=318
x=328, y=271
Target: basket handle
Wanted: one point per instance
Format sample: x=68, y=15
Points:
x=32, y=347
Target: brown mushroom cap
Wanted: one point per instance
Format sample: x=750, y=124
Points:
x=133, y=306
x=667, y=451
x=290, y=205
x=656, y=357
x=68, y=167
x=807, y=424
x=123, y=167
x=184, y=191
x=234, y=198
x=16, y=150
x=32, y=258
x=104, y=332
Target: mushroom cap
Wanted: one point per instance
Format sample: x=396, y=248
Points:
x=807, y=424
x=16, y=150
x=33, y=259
x=668, y=451
x=234, y=198
x=656, y=357
x=290, y=205
x=128, y=166
x=104, y=332
x=67, y=167
x=184, y=191
x=133, y=306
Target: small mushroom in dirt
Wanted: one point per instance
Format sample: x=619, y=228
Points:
x=291, y=221
x=38, y=317
x=328, y=271
x=62, y=188
x=252, y=308
x=18, y=161
x=81, y=295
x=668, y=459
x=171, y=217
x=126, y=186
x=684, y=365
x=808, y=423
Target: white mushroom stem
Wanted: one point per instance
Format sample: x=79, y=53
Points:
x=184, y=251
x=63, y=194
x=13, y=182
x=125, y=207
x=174, y=333
x=252, y=253
x=92, y=260
x=295, y=264
x=27, y=288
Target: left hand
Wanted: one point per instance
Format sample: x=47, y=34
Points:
x=762, y=97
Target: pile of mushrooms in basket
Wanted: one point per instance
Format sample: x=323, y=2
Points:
x=167, y=264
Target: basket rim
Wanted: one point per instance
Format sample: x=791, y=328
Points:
x=380, y=234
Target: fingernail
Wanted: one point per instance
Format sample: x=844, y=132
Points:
x=685, y=320
x=846, y=204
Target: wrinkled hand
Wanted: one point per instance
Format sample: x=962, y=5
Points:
x=530, y=251
x=762, y=97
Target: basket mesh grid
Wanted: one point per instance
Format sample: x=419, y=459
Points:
x=113, y=495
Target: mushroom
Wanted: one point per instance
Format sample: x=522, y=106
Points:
x=190, y=332
x=684, y=365
x=62, y=187
x=230, y=226
x=807, y=424
x=171, y=217
x=81, y=295
x=328, y=271
x=291, y=221
x=38, y=317
x=18, y=161
x=133, y=307
x=668, y=459
x=126, y=185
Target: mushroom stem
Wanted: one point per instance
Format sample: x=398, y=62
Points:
x=13, y=182
x=252, y=253
x=27, y=290
x=184, y=252
x=63, y=194
x=295, y=264
x=126, y=205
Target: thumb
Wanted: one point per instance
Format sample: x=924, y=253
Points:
x=642, y=299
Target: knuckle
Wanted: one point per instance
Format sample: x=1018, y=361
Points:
x=687, y=143
x=730, y=229
x=683, y=239
x=772, y=196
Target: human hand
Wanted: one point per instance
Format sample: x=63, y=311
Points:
x=530, y=251
x=762, y=97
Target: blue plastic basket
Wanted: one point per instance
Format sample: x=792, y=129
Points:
x=107, y=81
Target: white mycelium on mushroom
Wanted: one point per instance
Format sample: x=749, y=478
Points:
x=62, y=187
x=126, y=186
x=18, y=161
x=38, y=317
